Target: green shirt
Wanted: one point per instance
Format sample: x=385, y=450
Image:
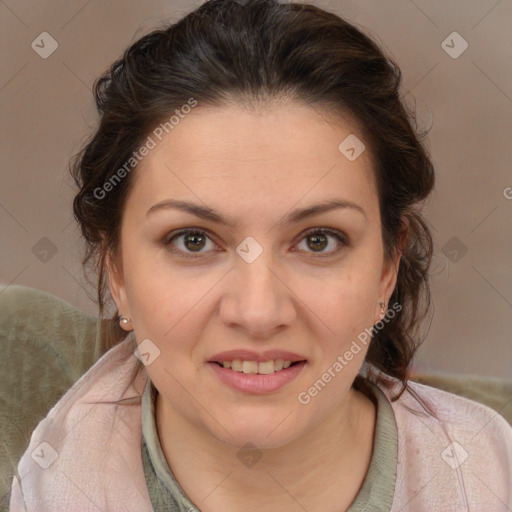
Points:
x=375, y=495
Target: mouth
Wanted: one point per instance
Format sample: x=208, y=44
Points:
x=257, y=368
x=255, y=377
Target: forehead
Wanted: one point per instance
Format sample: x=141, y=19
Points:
x=276, y=157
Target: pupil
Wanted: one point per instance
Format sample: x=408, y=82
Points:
x=194, y=238
x=319, y=241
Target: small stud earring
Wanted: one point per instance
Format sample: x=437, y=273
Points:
x=382, y=312
x=123, y=321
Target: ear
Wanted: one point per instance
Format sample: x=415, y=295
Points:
x=114, y=270
x=390, y=269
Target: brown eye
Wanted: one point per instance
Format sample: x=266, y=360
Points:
x=318, y=239
x=318, y=242
x=192, y=241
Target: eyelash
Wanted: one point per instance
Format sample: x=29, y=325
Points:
x=167, y=242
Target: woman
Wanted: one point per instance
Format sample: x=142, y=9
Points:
x=252, y=197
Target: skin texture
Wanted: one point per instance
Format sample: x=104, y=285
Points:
x=254, y=168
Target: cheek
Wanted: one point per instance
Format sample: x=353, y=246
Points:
x=348, y=315
x=165, y=304
x=148, y=290
x=347, y=306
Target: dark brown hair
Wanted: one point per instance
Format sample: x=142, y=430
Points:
x=253, y=53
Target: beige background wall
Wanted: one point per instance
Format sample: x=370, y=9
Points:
x=46, y=110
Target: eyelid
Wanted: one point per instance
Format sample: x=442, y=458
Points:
x=333, y=232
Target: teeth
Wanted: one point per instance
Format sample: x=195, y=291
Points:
x=264, y=368
x=236, y=365
x=250, y=367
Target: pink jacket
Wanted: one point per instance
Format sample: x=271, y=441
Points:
x=87, y=457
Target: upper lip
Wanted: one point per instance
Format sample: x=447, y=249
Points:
x=260, y=357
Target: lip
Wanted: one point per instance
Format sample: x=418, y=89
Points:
x=259, y=357
x=255, y=383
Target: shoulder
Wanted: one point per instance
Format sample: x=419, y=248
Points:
x=457, y=416
x=87, y=436
x=449, y=448
x=107, y=381
x=457, y=412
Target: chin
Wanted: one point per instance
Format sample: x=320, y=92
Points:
x=262, y=432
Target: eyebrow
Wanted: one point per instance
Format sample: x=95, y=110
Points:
x=206, y=213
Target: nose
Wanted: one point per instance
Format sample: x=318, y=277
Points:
x=258, y=300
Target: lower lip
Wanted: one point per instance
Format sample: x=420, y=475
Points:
x=256, y=383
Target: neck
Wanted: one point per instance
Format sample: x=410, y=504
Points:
x=326, y=465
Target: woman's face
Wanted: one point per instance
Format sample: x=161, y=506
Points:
x=262, y=280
